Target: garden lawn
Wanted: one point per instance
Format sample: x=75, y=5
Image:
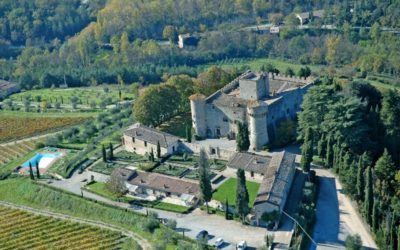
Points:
x=106, y=167
x=228, y=190
x=100, y=188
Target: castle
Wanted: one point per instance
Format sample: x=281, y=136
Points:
x=259, y=100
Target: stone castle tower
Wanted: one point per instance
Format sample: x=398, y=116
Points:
x=257, y=121
x=198, y=108
x=253, y=99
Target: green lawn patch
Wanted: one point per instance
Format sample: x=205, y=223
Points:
x=100, y=188
x=228, y=190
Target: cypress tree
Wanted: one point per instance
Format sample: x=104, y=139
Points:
x=31, y=171
x=152, y=155
x=246, y=139
x=242, y=195
x=321, y=147
x=37, y=170
x=103, y=150
x=329, y=158
x=242, y=138
x=111, y=152
x=307, y=151
x=158, y=150
x=360, y=180
x=369, y=195
x=188, y=133
x=375, y=215
x=204, y=178
x=226, y=209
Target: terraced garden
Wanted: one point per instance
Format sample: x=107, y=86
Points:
x=23, y=230
x=13, y=151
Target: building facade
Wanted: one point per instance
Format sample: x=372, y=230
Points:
x=259, y=100
x=142, y=140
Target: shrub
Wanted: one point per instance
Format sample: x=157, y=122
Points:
x=150, y=225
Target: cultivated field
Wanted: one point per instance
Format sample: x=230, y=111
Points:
x=16, y=150
x=23, y=230
x=12, y=127
x=85, y=95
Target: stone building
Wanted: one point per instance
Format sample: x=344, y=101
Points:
x=259, y=100
x=141, y=140
x=277, y=173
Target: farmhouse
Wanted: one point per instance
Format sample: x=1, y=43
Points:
x=8, y=88
x=142, y=140
x=259, y=100
x=304, y=17
x=151, y=184
x=277, y=171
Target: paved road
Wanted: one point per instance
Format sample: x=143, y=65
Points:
x=140, y=240
x=217, y=226
x=336, y=216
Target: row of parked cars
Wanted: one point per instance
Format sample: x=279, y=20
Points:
x=219, y=243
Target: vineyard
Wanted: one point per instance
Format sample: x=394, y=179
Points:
x=23, y=230
x=18, y=127
x=18, y=149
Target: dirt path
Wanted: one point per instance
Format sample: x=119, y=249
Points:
x=139, y=239
x=336, y=215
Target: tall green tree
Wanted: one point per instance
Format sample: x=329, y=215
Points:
x=111, y=152
x=103, y=151
x=375, y=216
x=360, y=185
x=188, y=133
x=321, y=147
x=204, y=178
x=31, y=172
x=391, y=120
x=385, y=172
x=329, y=158
x=242, y=137
x=369, y=195
x=242, y=195
x=307, y=151
x=158, y=150
x=37, y=170
x=226, y=209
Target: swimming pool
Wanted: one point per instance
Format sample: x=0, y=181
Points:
x=44, y=159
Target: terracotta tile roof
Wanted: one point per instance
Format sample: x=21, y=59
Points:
x=151, y=135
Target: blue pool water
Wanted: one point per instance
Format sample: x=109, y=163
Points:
x=39, y=157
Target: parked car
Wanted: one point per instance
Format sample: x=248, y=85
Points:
x=241, y=245
x=203, y=234
x=219, y=242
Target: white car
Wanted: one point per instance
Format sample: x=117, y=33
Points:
x=219, y=242
x=241, y=245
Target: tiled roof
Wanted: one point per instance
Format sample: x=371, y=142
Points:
x=249, y=162
x=277, y=179
x=159, y=182
x=151, y=135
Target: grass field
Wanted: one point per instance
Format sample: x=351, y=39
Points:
x=13, y=127
x=86, y=95
x=23, y=230
x=228, y=191
x=25, y=192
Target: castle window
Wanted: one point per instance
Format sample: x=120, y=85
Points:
x=145, y=143
x=133, y=139
x=225, y=119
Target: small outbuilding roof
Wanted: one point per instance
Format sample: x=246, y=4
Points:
x=159, y=182
x=249, y=162
x=151, y=135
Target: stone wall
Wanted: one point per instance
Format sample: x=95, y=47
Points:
x=212, y=152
